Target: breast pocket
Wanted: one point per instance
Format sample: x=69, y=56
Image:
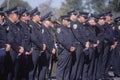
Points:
x=87, y=33
x=26, y=36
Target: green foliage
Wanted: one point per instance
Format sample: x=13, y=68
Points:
x=19, y=3
x=71, y=4
x=92, y=5
x=114, y=5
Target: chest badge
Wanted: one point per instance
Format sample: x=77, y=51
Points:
x=118, y=27
x=8, y=28
x=75, y=26
x=42, y=31
x=58, y=30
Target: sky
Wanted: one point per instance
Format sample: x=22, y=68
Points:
x=34, y=3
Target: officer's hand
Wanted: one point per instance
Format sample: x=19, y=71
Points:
x=8, y=47
x=95, y=45
x=98, y=41
x=27, y=53
x=44, y=47
x=31, y=50
x=114, y=45
x=21, y=50
x=53, y=51
x=87, y=44
x=72, y=49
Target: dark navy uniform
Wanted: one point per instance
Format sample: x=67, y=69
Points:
x=66, y=40
x=2, y=43
x=14, y=38
x=26, y=60
x=37, y=44
x=116, y=56
x=2, y=49
x=100, y=35
x=78, y=57
x=49, y=41
x=103, y=47
x=89, y=53
x=27, y=45
x=108, y=41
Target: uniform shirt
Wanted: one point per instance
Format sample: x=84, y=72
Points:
x=36, y=35
x=65, y=37
x=117, y=32
x=49, y=38
x=110, y=33
x=14, y=36
x=90, y=33
x=2, y=36
x=26, y=35
x=100, y=32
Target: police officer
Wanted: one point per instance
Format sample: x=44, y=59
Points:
x=50, y=45
x=82, y=18
x=89, y=42
x=53, y=57
x=37, y=39
x=94, y=42
x=25, y=63
x=100, y=48
x=116, y=59
x=68, y=48
x=15, y=40
x=3, y=44
x=110, y=27
x=78, y=56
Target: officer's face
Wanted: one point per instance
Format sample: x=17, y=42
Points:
x=101, y=21
x=1, y=18
x=74, y=16
x=65, y=22
x=82, y=19
x=108, y=18
x=37, y=17
x=14, y=17
x=48, y=23
x=92, y=22
x=26, y=18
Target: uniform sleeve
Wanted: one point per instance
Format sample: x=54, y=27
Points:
x=12, y=42
x=48, y=37
x=2, y=37
x=35, y=38
x=26, y=40
x=63, y=40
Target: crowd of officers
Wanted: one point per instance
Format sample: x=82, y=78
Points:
x=84, y=45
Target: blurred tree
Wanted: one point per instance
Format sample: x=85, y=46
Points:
x=98, y=5
x=72, y=4
x=91, y=5
x=47, y=7
x=13, y=3
x=114, y=5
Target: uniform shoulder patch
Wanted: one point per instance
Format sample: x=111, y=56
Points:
x=43, y=31
x=118, y=27
x=113, y=27
x=30, y=26
x=58, y=30
x=8, y=28
x=75, y=26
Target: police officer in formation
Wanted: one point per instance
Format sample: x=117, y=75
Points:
x=85, y=45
